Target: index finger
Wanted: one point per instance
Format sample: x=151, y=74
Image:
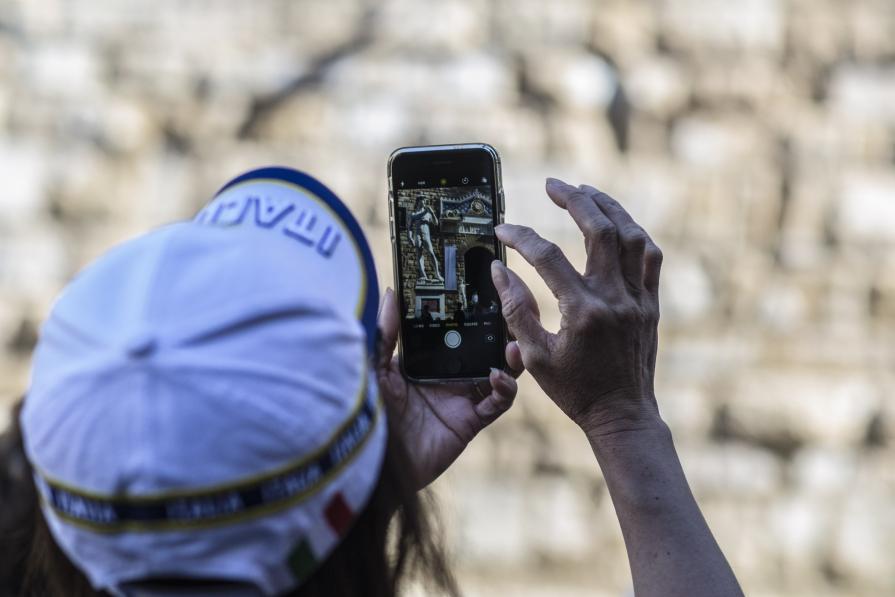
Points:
x=548, y=259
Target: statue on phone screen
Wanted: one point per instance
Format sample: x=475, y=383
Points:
x=422, y=220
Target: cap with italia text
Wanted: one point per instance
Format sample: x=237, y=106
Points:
x=202, y=401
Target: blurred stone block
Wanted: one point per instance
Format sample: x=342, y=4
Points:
x=33, y=263
x=803, y=525
x=750, y=82
x=718, y=25
x=625, y=30
x=578, y=80
x=866, y=211
x=871, y=25
x=524, y=24
x=864, y=92
x=491, y=515
x=782, y=409
x=64, y=69
x=561, y=523
x=686, y=409
x=730, y=469
x=866, y=540
x=23, y=169
x=444, y=27
x=815, y=29
x=690, y=298
x=708, y=141
x=659, y=86
x=824, y=472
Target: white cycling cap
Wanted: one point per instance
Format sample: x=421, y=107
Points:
x=202, y=400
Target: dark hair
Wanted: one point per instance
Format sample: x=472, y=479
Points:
x=394, y=539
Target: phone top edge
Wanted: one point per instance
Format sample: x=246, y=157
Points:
x=414, y=149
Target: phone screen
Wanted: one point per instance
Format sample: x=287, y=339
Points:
x=445, y=206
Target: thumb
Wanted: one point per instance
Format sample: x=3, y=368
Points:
x=519, y=307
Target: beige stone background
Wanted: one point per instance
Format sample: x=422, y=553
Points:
x=755, y=139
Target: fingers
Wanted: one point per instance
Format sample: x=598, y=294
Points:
x=514, y=359
x=503, y=393
x=388, y=326
x=631, y=237
x=600, y=233
x=548, y=259
x=518, y=305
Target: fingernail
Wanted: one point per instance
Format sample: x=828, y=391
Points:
x=495, y=370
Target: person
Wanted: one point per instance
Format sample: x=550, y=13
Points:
x=427, y=314
x=422, y=220
x=142, y=404
x=459, y=315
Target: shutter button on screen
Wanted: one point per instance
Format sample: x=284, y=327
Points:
x=452, y=339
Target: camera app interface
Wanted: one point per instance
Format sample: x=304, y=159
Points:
x=446, y=243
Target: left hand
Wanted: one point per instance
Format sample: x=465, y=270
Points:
x=438, y=421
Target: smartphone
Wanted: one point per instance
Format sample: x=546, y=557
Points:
x=444, y=202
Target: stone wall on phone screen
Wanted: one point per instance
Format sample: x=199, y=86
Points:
x=755, y=140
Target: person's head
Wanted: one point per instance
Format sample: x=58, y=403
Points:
x=204, y=415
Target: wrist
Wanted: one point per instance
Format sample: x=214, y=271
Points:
x=620, y=414
x=639, y=463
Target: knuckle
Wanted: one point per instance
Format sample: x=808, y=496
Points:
x=510, y=306
x=628, y=313
x=548, y=253
x=605, y=232
x=606, y=200
x=654, y=254
x=579, y=195
x=591, y=315
x=634, y=234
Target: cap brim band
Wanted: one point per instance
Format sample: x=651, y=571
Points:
x=221, y=505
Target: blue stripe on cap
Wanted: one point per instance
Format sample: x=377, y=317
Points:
x=315, y=187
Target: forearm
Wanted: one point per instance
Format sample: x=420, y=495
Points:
x=670, y=548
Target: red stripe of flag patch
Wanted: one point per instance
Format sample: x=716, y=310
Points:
x=338, y=514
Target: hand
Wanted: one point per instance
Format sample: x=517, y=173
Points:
x=599, y=367
x=438, y=421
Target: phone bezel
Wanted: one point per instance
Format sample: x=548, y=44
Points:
x=498, y=197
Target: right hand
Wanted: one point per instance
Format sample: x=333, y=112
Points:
x=599, y=367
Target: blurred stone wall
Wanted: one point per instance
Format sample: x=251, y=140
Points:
x=754, y=139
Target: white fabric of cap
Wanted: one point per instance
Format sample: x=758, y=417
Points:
x=199, y=358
